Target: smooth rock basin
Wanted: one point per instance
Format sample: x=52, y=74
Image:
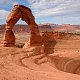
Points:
x=70, y=65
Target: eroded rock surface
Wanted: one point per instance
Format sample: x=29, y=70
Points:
x=20, y=11
x=31, y=64
x=42, y=60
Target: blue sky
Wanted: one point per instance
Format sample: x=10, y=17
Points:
x=45, y=11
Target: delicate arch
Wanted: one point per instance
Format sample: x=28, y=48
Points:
x=20, y=11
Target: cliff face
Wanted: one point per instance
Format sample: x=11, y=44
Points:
x=17, y=28
x=43, y=27
x=25, y=28
x=67, y=28
x=21, y=28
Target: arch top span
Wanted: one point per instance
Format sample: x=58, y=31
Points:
x=23, y=7
x=25, y=13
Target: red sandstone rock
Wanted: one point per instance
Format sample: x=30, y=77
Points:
x=20, y=11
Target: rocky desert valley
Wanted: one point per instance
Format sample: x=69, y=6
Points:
x=63, y=62
x=38, y=51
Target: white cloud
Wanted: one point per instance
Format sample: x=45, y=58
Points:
x=3, y=14
x=69, y=9
x=8, y=2
x=15, y=3
x=44, y=8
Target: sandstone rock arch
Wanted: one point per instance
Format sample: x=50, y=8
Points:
x=20, y=11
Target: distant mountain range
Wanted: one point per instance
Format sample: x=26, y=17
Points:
x=44, y=27
x=67, y=28
x=17, y=28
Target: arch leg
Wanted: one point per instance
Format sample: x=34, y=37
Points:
x=9, y=37
x=35, y=37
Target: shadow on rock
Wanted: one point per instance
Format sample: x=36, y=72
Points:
x=71, y=65
x=49, y=42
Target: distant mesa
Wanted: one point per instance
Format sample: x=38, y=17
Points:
x=67, y=28
x=17, y=28
x=43, y=27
